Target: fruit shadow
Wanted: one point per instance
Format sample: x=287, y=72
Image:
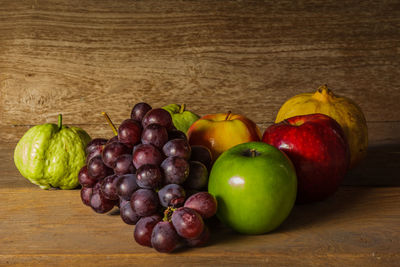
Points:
x=318, y=213
x=302, y=216
x=380, y=167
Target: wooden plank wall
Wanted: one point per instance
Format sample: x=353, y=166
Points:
x=80, y=58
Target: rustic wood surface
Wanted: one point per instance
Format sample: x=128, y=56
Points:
x=80, y=58
x=358, y=226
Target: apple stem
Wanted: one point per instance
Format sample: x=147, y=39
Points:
x=253, y=152
x=59, y=121
x=182, y=109
x=110, y=123
x=228, y=115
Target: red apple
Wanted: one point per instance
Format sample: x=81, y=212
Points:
x=317, y=146
x=219, y=132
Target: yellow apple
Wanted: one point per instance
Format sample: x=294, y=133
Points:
x=221, y=131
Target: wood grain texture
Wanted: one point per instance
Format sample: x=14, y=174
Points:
x=81, y=58
x=358, y=226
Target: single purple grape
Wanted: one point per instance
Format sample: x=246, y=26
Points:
x=100, y=203
x=86, y=195
x=144, y=202
x=164, y=237
x=203, y=203
x=139, y=110
x=158, y=116
x=130, y=132
x=187, y=222
x=126, y=185
x=172, y=195
x=124, y=165
x=144, y=228
x=175, y=170
x=177, y=148
x=97, y=169
x=109, y=187
x=127, y=214
x=146, y=154
x=149, y=176
x=155, y=135
x=85, y=179
x=198, y=176
x=112, y=151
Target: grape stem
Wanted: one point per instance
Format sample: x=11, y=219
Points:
x=110, y=123
x=168, y=214
x=59, y=121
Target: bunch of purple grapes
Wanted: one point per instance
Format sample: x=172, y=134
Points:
x=155, y=178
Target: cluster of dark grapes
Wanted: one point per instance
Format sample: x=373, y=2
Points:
x=156, y=179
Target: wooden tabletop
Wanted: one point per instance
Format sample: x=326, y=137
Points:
x=80, y=58
x=358, y=226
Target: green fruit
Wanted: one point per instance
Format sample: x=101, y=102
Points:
x=51, y=155
x=181, y=118
x=255, y=185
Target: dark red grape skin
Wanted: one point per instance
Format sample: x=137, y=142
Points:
x=92, y=155
x=149, y=176
x=144, y=228
x=112, y=139
x=146, y=154
x=203, y=203
x=86, y=195
x=85, y=179
x=96, y=144
x=126, y=185
x=172, y=195
x=175, y=170
x=201, y=240
x=127, y=214
x=176, y=134
x=112, y=151
x=178, y=148
x=129, y=132
x=155, y=135
x=164, y=238
x=98, y=202
x=201, y=154
x=144, y=202
x=158, y=116
x=97, y=169
x=124, y=165
x=139, y=110
x=198, y=176
x=109, y=187
x=95, y=148
x=187, y=222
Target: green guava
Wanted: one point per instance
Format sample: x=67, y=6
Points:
x=51, y=155
x=181, y=118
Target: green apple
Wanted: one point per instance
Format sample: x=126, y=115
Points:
x=255, y=185
x=181, y=118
